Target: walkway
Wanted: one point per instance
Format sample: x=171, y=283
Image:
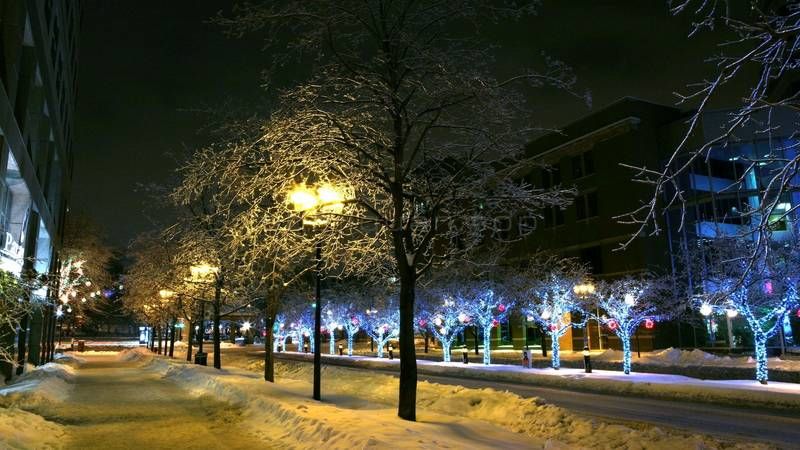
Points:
x=116, y=405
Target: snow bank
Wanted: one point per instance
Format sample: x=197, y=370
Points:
x=285, y=416
x=696, y=357
x=543, y=424
x=23, y=430
x=43, y=385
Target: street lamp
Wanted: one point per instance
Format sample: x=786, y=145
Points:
x=199, y=273
x=314, y=202
x=584, y=290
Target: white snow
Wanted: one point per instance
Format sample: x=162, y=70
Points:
x=359, y=412
x=24, y=430
x=20, y=427
x=696, y=357
x=677, y=387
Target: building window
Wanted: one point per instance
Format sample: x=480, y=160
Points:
x=551, y=177
x=586, y=206
x=582, y=165
x=553, y=216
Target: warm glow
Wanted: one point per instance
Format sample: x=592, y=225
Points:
x=583, y=289
x=303, y=198
x=202, y=270
x=325, y=199
x=165, y=293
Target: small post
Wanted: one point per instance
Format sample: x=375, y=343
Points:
x=391, y=351
x=341, y=350
x=587, y=360
x=465, y=357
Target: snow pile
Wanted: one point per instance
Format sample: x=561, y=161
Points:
x=69, y=359
x=44, y=385
x=696, y=357
x=286, y=417
x=551, y=426
x=24, y=430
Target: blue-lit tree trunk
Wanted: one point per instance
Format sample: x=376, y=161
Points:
x=487, y=345
x=332, y=342
x=626, y=351
x=555, y=356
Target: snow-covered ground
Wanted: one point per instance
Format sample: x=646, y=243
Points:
x=39, y=387
x=775, y=394
x=358, y=410
x=696, y=357
x=358, y=397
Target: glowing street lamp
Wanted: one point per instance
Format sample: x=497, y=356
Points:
x=583, y=291
x=200, y=273
x=314, y=202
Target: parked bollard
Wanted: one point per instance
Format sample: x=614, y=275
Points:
x=587, y=360
x=305, y=348
x=526, y=359
x=341, y=350
x=391, y=352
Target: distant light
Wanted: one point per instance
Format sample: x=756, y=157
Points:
x=87, y=283
x=630, y=300
x=245, y=327
x=731, y=313
x=706, y=309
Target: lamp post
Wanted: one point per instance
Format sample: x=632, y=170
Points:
x=200, y=273
x=313, y=202
x=583, y=291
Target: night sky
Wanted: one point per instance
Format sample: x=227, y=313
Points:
x=149, y=67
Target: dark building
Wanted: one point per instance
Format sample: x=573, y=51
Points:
x=38, y=62
x=596, y=155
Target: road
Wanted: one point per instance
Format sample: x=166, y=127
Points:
x=116, y=405
x=777, y=427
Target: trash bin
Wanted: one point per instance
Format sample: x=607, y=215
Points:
x=81, y=345
x=201, y=358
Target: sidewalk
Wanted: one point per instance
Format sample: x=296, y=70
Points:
x=675, y=387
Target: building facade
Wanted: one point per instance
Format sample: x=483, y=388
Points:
x=596, y=156
x=38, y=74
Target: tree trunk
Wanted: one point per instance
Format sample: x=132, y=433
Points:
x=172, y=338
x=407, y=404
x=555, y=345
x=216, y=307
x=189, y=336
x=626, y=352
x=159, y=340
x=475, y=331
x=487, y=346
x=269, y=359
x=761, y=357
x=22, y=340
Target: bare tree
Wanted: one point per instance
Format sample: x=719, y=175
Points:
x=765, y=41
x=399, y=112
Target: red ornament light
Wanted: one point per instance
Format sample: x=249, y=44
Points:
x=798, y=313
x=553, y=327
x=422, y=323
x=612, y=324
x=354, y=320
x=649, y=324
x=495, y=322
x=501, y=307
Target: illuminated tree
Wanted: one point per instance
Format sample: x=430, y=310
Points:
x=761, y=290
x=334, y=315
x=629, y=303
x=487, y=310
x=279, y=333
x=400, y=107
x=445, y=316
x=382, y=324
x=547, y=297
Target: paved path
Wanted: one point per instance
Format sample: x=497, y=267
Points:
x=115, y=405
